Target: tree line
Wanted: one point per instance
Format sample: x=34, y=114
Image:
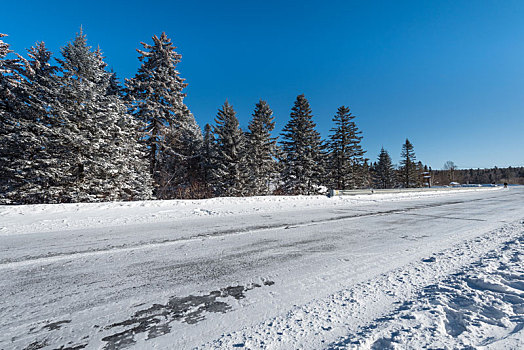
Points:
x=450, y=173
x=70, y=131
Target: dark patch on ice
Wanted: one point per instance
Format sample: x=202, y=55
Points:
x=428, y=260
x=156, y=320
x=72, y=347
x=445, y=217
x=55, y=325
x=38, y=344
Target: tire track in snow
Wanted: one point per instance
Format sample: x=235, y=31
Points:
x=326, y=323
x=51, y=258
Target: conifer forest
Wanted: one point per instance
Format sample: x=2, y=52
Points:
x=71, y=131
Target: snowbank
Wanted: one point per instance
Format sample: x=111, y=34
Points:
x=22, y=219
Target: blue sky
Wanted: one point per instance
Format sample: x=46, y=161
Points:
x=448, y=75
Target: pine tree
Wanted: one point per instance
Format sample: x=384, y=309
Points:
x=261, y=149
x=229, y=174
x=302, y=162
x=408, y=170
x=105, y=159
x=384, y=171
x=346, y=157
x=170, y=131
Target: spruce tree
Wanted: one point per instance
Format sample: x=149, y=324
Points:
x=104, y=160
x=208, y=156
x=11, y=124
x=170, y=131
x=39, y=163
x=346, y=157
x=229, y=173
x=262, y=150
x=384, y=171
x=302, y=162
x=408, y=171
x=28, y=88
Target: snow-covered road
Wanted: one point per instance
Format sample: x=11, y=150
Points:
x=380, y=271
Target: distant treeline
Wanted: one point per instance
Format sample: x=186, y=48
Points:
x=511, y=175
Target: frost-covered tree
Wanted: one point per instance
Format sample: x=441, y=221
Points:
x=28, y=88
x=408, y=171
x=105, y=160
x=4, y=48
x=301, y=143
x=345, y=166
x=11, y=125
x=262, y=150
x=384, y=171
x=170, y=131
x=39, y=162
x=179, y=174
x=208, y=158
x=229, y=175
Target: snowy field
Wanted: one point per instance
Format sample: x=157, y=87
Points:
x=383, y=271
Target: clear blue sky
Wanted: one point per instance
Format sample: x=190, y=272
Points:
x=448, y=75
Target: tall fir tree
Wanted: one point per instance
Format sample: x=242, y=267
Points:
x=170, y=131
x=409, y=173
x=39, y=164
x=366, y=180
x=301, y=145
x=345, y=166
x=229, y=175
x=11, y=124
x=208, y=158
x=105, y=160
x=384, y=171
x=262, y=150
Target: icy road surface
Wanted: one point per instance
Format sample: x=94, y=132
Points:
x=440, y=270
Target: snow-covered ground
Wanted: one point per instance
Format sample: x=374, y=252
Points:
x=411, y=270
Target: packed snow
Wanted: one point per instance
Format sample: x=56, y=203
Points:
x=410, y=270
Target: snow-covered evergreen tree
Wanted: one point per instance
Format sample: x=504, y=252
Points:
x=11, y=125
x=230, y=172
x=208, y=159
x=366, y=181
x=105, y=160
x=39, y=162
x=408, y=171
x=4, y=49
x=302, y=163
x=170, y=131
x=384, y=171
x=262, y=150
x=28, y=92
x=345, y=167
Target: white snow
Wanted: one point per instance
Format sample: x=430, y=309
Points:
x=402, y=271
x=59, y=217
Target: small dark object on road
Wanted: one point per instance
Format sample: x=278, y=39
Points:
x=505, y=185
